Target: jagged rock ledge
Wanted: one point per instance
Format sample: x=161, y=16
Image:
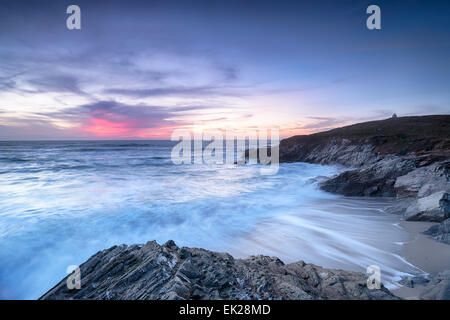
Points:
x=152, y=271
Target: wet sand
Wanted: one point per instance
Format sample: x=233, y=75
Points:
x=339, y=233
x=429, y=255
x=424, y=252
x=348, y=234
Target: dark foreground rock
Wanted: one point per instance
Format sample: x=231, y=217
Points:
x=152, y=271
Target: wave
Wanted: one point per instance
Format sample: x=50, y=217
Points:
x=64, y=206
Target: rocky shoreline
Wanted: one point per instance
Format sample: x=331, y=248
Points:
x=406, y=158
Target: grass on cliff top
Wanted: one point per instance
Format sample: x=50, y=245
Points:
x=394, y=135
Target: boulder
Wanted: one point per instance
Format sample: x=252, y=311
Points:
x=432, y=208
x=440, y=232
x=423, y=181
x=374, y=179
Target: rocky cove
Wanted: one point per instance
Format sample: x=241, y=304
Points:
x=405, y=158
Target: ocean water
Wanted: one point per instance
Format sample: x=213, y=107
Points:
x=60, y=202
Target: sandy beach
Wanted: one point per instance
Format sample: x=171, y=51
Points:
x=429, y=255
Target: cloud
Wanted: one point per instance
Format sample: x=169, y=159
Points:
x=143, y=52
x=7, y=84
x=35, y=129
x=56, y=83
x=180, y=91
x=116, y=111
x=323, y=123
x=169, y=91
x=113, y=119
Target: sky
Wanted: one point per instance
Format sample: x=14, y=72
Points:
x=141, y=69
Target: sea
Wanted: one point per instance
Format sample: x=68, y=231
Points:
x=62, y=201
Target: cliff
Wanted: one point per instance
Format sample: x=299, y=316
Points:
x=361, y=143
